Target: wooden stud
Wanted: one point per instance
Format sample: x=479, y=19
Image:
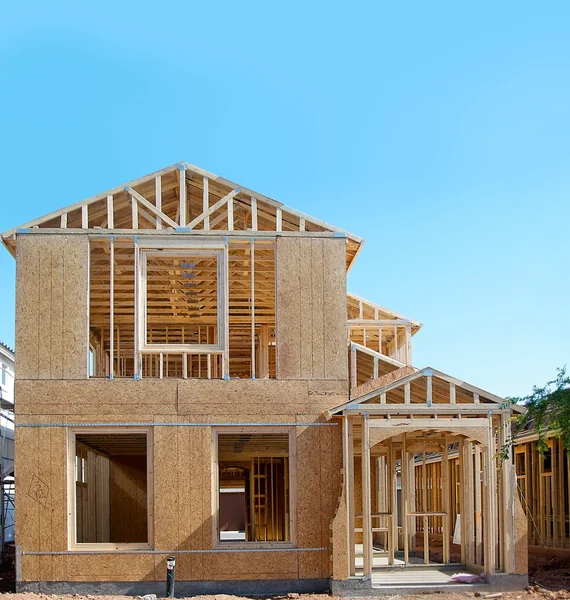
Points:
x=158, y=200
x=393, y=547
x=134, y=214
x=182, y=198
x=231, y=214
x=366, y=499
x=350, y=496
x=478, y=507
x=445, y=502
x=85, y=217
x=110, y=212
x=252, y=292
x=253, y=214
x=278, y=220
x=111, y=308
x=404, y=470
x=408, y=345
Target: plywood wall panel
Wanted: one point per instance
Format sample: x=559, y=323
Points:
x=269, y=565
x=318, y=309
x=288, y=308
x=311, y=308
x=102, y=397
x=306, y=312
x=165, y=486
x=45, y=307
x=111, y=567
x=335, y=310
x=27, y=307
x=51, y=307
x=56, y=318
x=308, y=477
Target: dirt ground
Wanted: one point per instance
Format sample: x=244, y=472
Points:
x=526, y=595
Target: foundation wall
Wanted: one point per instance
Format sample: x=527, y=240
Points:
x=311, y=308
x=182, y=475
x=51, y=306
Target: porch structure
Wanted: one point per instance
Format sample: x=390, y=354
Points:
x=398, y=512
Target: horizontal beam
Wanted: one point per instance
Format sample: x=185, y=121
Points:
x=423, y=409
x=402, y=424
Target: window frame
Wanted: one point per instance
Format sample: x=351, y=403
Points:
x=72, y=543
x=178, y=249
x=221, y=545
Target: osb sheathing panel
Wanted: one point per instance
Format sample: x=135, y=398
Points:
x=521, y=538
x=311, y=308
x=51, y=306
x=190, y=397
x=102, y=397
x=182, y=504
x=41, y=497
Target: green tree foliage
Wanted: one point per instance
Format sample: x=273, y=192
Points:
x=547, y=412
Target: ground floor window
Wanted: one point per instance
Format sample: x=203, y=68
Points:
x=111, y=486
x=254, y=481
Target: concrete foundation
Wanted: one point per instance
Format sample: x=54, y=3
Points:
x=268, y=587
x=362, y=587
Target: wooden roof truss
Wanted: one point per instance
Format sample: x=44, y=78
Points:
x=183, y=199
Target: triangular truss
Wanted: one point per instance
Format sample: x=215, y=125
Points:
x=427, y=389
x=186, y=199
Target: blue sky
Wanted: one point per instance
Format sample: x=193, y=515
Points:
x=438, y=131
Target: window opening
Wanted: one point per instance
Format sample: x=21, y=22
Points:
x=111, y=488
x=254, y=487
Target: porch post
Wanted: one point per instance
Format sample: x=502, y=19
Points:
x=508, y=506
x=468, y=508
x=404, y=473
x=488, y=509
x=349, y=445
x=445, y=501
x=366, y=499
x=392, y=503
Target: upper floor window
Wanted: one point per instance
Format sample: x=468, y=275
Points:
x=182, y=307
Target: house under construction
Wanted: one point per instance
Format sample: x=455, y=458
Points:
x=193, y=380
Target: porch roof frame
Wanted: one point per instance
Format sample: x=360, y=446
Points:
x=361, y=406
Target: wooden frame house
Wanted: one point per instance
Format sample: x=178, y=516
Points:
x=193, y=380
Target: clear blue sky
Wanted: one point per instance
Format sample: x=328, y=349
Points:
x=438, y=131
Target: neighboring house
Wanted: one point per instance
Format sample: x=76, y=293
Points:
x=193, y=380
x=6, y=444
x=543, y=483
